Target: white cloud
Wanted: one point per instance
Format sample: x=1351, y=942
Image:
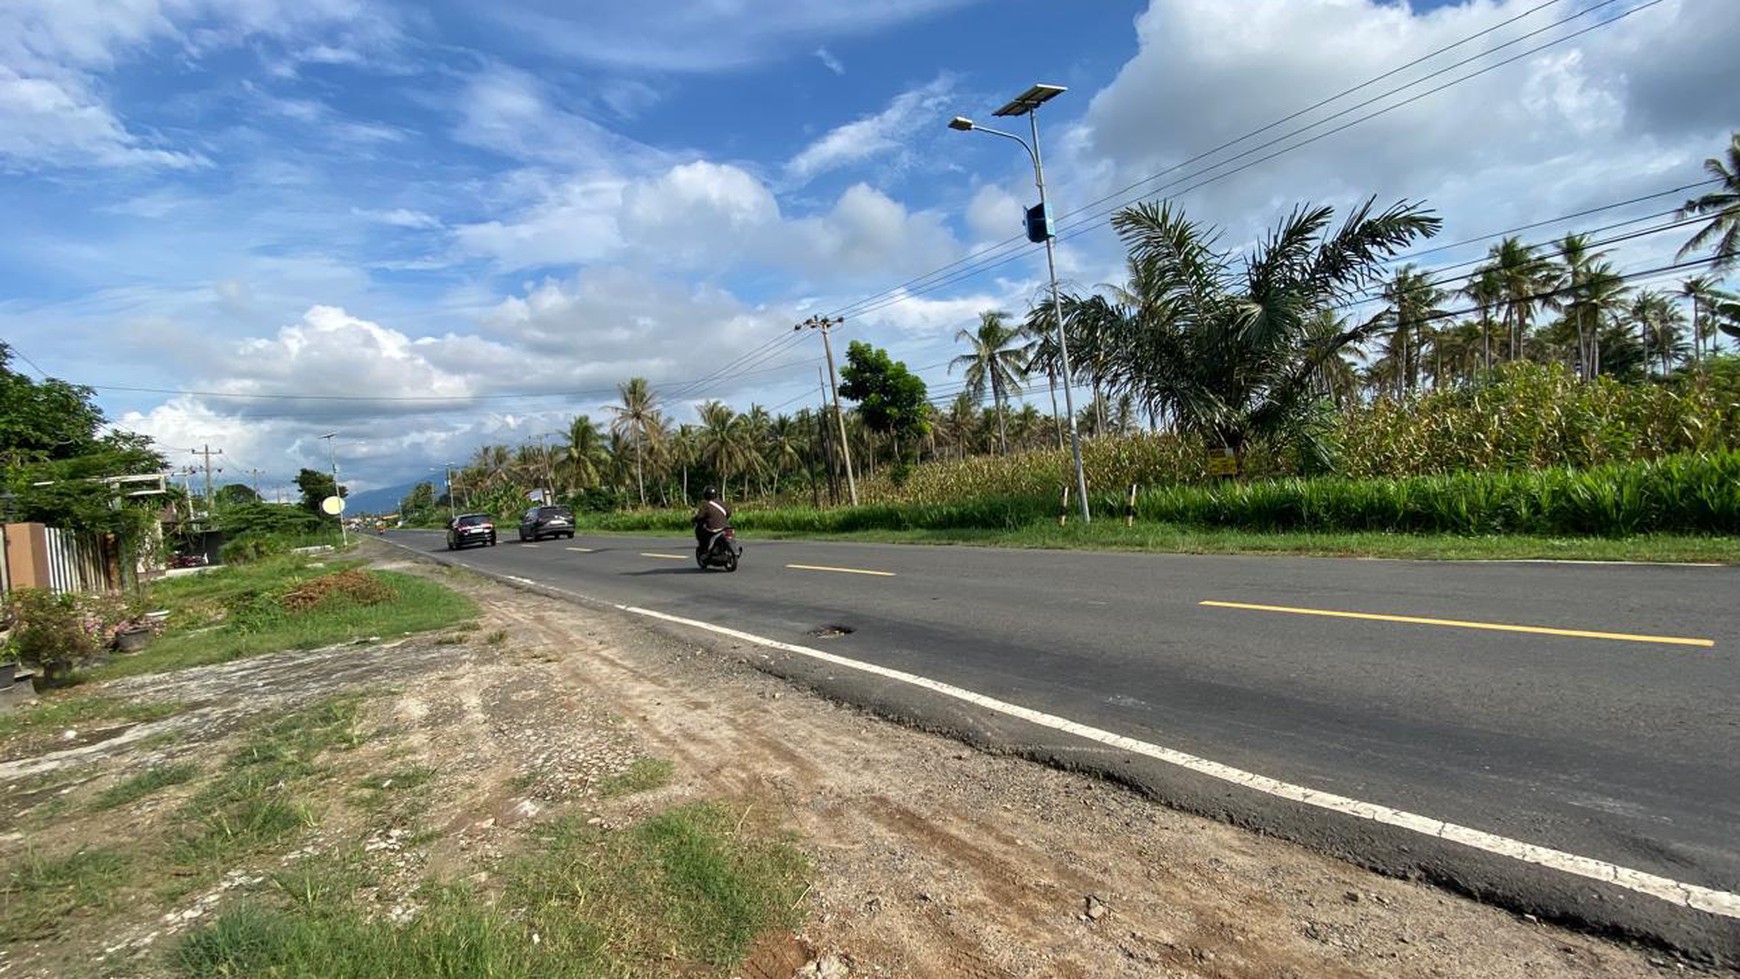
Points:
x=1571, y=126
x=510, y=112
x=700, y=37
x=52, y=53
x=887, y=133
x=57, y=123
x=830, y=62
x=573, y=222
x=400, y=217
x=994, y=214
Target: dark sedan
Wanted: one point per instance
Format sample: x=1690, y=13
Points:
x=547, y=521
x=471, y=528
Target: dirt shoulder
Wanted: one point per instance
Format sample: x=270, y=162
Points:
x=930, y=859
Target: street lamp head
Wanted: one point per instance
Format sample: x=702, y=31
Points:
x=329, y=435
x=961, y=123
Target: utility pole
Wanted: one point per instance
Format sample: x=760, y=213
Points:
x=824, y=324
x=827, y=442
x=332, y=453
x=255, y=474
x=208, y=452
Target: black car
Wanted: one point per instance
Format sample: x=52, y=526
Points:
x=547, y=521
x=470, y=528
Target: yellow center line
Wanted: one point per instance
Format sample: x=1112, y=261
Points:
x=1459, y=624
x=822, y=567
x=668, y=557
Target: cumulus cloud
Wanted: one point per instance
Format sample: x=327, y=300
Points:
x=1574, y=124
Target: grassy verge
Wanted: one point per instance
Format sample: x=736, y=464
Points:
x=1111, y=535
x=287, y=602
x=683, y=893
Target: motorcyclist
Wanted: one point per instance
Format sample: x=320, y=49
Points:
x=711, y=518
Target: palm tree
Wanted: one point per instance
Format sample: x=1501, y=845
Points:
x=998, y=359
x=725, y=444
x=1413, y=301
x=1485, y=290
x=1227, y=351
x=634, y=419
x=1522, y=277
x=1659, y=323
x=1723, y=206
x=583, y=455
x=1595, y=291
x=784, y=440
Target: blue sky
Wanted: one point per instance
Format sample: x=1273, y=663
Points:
x=270, y=212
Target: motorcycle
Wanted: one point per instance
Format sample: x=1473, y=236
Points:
x=720, y=551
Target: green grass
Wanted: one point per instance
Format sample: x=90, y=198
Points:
x=252, y=803
x=397, y=790
x=145, y=783
x=1110, y=534
x=643, y=775
x=40, y=895
x=62, y=710
x=234, y=612
x=682, y=894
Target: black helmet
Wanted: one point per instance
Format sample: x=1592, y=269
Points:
x=709, y=494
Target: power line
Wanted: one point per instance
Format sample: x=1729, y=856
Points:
x=1019, y=240
x=861, y=309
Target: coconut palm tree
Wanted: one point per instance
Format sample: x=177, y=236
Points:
x=633, y=419
x=1484, y=290
x=1522, y=277
x=725, y=444
x=1723, y=207
x=1413, y=303
x=997, y=359
x=1226, y=350
x=583, y=456
x=1594, y=292
x=783, y=444
x=1659, y=323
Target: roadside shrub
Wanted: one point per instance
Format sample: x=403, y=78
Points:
x=57, y=634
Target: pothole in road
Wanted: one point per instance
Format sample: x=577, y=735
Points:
x=831, y=631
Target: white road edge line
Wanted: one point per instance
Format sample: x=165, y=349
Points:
x=1723, y=903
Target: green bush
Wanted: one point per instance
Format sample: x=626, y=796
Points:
x=56, y=634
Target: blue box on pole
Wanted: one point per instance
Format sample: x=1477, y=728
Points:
x=1038, y=223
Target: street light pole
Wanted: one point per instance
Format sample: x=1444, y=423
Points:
x=332, y=454
x=823, y=323
x=1027, y=105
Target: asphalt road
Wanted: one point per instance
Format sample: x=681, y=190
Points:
x=1615, y=737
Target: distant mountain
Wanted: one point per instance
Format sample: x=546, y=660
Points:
x=383, y=500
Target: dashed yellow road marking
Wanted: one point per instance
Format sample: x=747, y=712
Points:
x=1460, y=624
x=823, y=567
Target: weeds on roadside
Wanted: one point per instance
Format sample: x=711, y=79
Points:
x=643, y=775
x=145, y=783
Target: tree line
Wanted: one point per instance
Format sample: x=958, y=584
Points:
x=1195, y=340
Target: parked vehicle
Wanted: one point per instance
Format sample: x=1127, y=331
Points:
x=547, y=521
x=470, y=528
x=720, y=551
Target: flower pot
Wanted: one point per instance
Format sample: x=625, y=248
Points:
x=8, y=674
x=132, y=640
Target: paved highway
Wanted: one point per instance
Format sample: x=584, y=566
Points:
x=1590, y=709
